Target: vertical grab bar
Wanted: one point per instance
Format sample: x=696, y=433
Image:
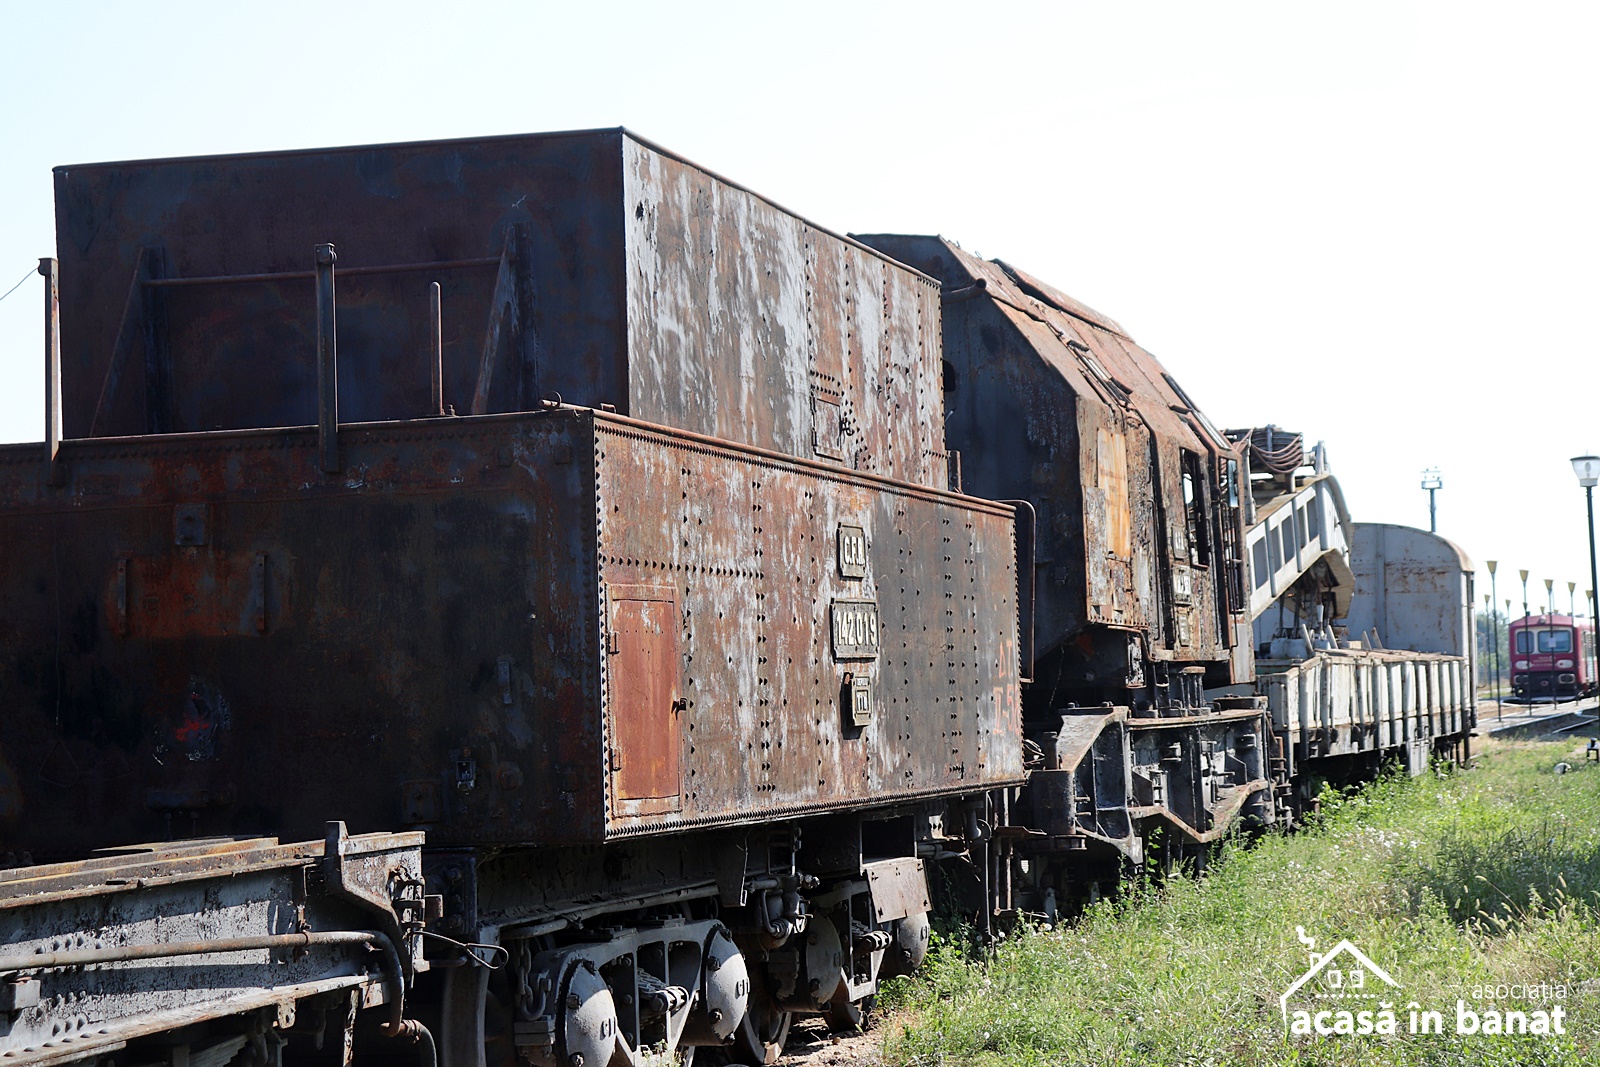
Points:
x=436, y=338
x=52, y=360
x=327, y=363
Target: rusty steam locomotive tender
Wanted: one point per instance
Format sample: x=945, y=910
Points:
x=548, y=495
x=656, y=585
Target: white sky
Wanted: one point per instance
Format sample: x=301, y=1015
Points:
x=1371, y=222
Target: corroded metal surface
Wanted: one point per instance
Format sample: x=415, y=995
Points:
x=224, y=639
x=1413, y=590
x=750, y=324
x=590, y=265
x=749, y=549
x=1110, y=778
x=167, y=936
x=1136, y=492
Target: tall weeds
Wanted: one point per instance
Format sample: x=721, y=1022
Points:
x=1454, y=882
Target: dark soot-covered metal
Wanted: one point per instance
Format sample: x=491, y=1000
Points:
x=744, y=594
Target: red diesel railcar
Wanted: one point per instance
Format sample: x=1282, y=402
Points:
x=1552, y=656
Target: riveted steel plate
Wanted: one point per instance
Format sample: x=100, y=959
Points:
x=588, y=264
x=428, y=639
x=750, y=541
x=899, y=887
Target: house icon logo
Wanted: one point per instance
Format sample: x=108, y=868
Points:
x=1344, y=973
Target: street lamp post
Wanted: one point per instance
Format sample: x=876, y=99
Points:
x=1550, y=594
x=1494, y=622
x=1511, y=653
x=1594, y=632
x=1572, y=601
x=1489, y=660
x=1432, y=482
x=1524, y=593
x=1587, y=468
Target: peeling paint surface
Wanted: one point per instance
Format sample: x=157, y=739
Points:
x=429, y=644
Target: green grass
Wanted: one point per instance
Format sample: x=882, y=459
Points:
x=1450, y=881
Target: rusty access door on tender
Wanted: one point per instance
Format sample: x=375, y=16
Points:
x=643, y=670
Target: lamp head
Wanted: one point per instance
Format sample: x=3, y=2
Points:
x=1431, y=478
x=1587, y=468
x=1491, y=564
x=1524, y=577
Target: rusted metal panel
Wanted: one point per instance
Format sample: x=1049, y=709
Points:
x=835, y=359
x=899, y=888
x=1111, y=479
x=242, y=353
x=717, y=306
x=197, y=593
x=424, y=657
x=223, y=639
x=1052, y=403
x=754, y=543
x=170, y=936
x=591, y=265
x=1062, y=301
x=642, y=675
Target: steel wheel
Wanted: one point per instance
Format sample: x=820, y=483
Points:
x=476, y=1028
x=848, y=1016
x=764, y=1030
x=760, y=1038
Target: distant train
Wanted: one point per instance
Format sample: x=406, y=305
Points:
x=1552, y=656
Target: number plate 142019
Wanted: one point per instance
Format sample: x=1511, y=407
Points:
x=855, y=629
